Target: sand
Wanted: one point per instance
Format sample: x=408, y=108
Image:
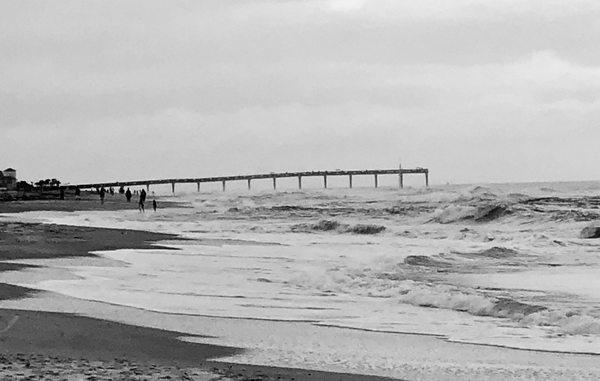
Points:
x=86, y=202
x=40, y=337
x=45, y=345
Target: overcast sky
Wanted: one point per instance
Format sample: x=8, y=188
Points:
x=478, y=91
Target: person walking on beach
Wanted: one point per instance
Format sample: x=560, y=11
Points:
x=128, y=195
x=154, y=205
x=142, y=200
x=102, y=194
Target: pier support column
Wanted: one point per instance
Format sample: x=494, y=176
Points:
x=350, y=180
x=427, y=179
x=198, y=184
x=325, y=181
x=299, y=182
x=173, y=187
x=274, y=183
x=249, y=186
x=147, y=187
x=376, y=181
x=223, y=185
x=400, y=177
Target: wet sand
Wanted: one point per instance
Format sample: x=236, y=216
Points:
x=76, y=345
x=20, y=240
x=46, y=345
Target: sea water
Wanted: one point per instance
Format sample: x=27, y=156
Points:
x=491, y=264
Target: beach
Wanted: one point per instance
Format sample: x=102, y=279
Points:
x=304, y=285
x=49, y=345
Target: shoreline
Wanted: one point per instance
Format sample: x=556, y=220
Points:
x=30, y=292
x=39, y=337
x=68, y=337
x=418, y=357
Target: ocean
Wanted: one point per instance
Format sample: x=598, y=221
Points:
x=494, y=264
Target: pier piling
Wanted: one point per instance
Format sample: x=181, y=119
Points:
x=400, y=177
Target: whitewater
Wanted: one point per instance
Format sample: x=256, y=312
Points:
x=500, y=265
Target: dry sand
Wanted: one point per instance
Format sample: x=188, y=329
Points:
x=44, y=345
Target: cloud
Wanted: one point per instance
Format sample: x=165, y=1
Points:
x=346, y=5
x=465, y=87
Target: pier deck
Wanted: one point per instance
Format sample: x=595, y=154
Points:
x=400, y=172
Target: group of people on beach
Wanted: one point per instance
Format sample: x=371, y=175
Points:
x=128, y=195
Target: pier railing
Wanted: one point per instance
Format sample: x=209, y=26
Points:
x=400, y=172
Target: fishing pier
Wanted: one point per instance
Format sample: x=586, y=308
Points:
x=400, y=172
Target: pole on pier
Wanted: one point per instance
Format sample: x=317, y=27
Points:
x=376, y=184
x=173, y=187
x=147, y=187
x=198, y=184
x=325, y=181
x=400, y=177
x=223, y=185
x=249, y=186
x=350, y=180
x=274, y=183
x=299, y=182
x=427, y=179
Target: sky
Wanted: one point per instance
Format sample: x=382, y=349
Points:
x=476, y=91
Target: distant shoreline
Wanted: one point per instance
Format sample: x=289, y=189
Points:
x=87, y=202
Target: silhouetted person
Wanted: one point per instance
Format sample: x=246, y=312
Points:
x=128, y=195
x=154, y=205
x=121, y=190
x=142, y=200
x=111, y=191
x=102, y=195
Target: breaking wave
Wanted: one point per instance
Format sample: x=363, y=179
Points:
x=398, y=282
x=481, y=213
x=570, y=323
x=333, y=225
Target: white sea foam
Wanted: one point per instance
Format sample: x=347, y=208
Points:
x=230, y=267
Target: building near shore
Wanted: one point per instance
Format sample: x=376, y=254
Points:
x=8, y=179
